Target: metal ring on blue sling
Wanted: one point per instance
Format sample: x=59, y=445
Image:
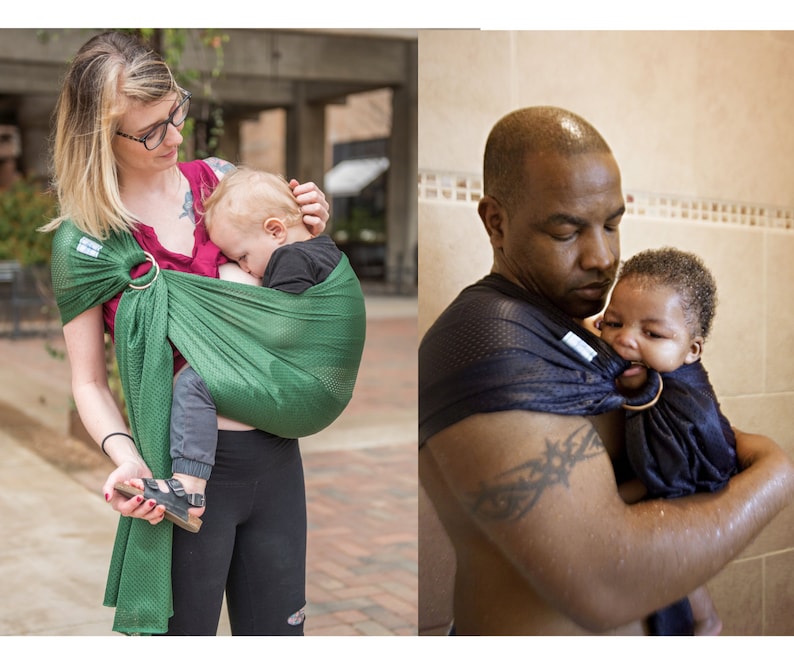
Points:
x=647, y=405
x=150, y=258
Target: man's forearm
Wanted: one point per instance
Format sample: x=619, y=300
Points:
x=690, y=539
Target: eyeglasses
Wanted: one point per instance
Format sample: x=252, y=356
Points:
x=155, y=136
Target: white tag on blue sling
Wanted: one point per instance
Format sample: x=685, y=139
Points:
x=579, y=346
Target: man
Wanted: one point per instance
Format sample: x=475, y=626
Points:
x=527, y=494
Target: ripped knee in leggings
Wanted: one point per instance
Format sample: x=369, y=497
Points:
x=297, y=618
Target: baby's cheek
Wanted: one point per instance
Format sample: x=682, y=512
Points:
x=606, y=335
x=665, y=360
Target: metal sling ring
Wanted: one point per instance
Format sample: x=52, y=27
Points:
x=647, y=405
x=156, y=273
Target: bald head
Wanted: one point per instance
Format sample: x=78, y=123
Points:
x=535, y=129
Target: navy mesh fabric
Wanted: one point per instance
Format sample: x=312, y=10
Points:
x=499, y=348
x=682, y=445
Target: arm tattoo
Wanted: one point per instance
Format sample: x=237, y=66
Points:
x=219, y=166
x=187, y=208
x=517, y=490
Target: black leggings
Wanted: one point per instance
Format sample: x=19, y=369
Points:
x=252, y=543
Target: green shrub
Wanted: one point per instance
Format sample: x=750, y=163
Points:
x=24, y=207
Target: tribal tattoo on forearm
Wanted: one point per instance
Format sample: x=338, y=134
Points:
x=514, y=492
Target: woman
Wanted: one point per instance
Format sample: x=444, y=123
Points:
x=118, y=129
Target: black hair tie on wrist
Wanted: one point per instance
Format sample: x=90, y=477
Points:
x=113, y=434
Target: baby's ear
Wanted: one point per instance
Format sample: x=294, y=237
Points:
x=275, y=227
x=695, y=350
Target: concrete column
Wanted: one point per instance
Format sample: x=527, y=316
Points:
x=305, y=139
x=10, y=151
x=401, y=205
x=33, y=117
x=229, y=143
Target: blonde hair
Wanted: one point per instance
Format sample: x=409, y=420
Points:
x=248, y=197
x=110, y=71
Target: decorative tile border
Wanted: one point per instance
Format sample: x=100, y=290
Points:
x=643, y=204
x=467, y=188
x=459, y=188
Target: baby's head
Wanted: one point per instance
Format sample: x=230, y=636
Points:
x=683, y=272
x=251, y=214
x=661, y=309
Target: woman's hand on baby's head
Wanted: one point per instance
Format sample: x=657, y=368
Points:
x=313, y=204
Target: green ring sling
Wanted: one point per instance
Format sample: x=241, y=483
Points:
x=283, y=363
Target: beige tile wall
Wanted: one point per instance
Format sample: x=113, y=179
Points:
x=696, y=114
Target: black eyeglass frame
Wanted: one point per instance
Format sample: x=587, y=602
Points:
x=159, y=126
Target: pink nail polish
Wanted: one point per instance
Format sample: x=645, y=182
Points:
x=107, y=497
x=138, y=499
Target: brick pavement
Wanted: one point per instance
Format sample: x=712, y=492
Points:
x=362, y=502
x=362, y=542
x=361, y=481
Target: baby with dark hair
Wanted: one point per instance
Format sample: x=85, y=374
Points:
x=659, y=316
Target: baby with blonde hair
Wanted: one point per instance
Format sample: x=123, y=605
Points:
x=249, y=216
x=255, y=220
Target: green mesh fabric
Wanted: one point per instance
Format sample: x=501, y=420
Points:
x=283, y=363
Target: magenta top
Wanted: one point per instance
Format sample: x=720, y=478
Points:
x=206, y=256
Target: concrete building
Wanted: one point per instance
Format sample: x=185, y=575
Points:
x=301, y=78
